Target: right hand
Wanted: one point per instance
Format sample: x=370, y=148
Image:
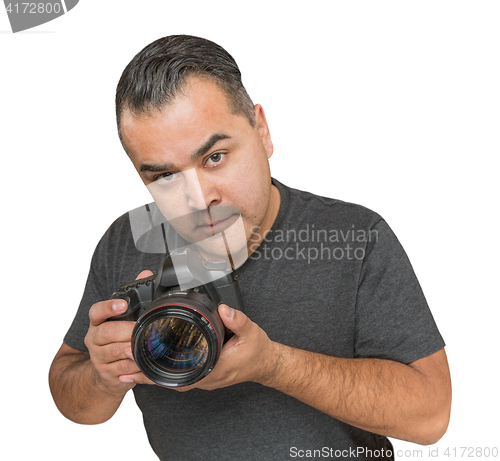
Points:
x=110, y=347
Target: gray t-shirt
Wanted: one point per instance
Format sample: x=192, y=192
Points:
x=330, y=277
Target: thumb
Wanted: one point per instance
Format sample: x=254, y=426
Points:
x=233, y=319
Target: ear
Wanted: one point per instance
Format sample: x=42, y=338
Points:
x=263, y=128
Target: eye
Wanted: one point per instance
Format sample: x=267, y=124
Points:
x=214, y=159
x=166, y=178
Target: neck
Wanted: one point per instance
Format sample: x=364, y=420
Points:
x=268, y=221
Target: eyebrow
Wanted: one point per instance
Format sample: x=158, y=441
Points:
x=214, y=139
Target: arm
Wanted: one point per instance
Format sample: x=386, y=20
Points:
x=78, y=390
x=409, y=402
x=89, y=387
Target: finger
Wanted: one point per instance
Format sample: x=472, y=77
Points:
x=184, y=388
x=102, y=311
x=114, y=352
x=137, y=378
x=144, y=274
x=121, y=368
x=112, y=332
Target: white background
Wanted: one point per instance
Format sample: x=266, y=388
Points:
x=394, y=105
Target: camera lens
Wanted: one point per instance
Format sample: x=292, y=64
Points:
x=175, y=345
x=178, y=341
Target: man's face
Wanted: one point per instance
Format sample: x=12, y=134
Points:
x=205, y=166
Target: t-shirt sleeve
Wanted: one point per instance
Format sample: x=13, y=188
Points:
x=94, y=292
x=392, y=316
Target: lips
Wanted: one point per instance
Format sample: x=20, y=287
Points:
x=202, y=224
x=218, y=224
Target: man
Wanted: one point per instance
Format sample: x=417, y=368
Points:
x=334, y=353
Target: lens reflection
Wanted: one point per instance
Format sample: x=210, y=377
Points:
x=175, y=345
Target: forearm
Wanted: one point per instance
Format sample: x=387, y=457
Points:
x=381, y=396
x=78, y=392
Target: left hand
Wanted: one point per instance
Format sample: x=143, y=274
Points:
x=248, y=356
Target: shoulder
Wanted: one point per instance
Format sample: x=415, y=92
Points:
x=119, y=227
x=140, y=228
x=302, y=206
x=133, y=242
x=117, y=235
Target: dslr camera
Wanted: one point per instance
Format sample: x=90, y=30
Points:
x=178, y=335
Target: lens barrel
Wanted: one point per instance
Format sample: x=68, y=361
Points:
x=178, y=341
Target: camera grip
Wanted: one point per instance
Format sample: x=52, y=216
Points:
x=229, y=293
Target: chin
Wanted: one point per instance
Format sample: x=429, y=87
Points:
x=230, y=243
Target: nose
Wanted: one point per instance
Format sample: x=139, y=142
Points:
x=200, y=191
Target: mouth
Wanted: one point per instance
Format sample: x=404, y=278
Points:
x=218, y=225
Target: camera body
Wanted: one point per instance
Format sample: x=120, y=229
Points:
x=178, y=335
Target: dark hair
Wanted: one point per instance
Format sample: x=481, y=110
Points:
x=157, y=74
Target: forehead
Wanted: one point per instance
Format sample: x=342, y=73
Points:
x=198, y=112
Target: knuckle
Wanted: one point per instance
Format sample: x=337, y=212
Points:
x=109, y=330
x=101, y=311
x=94, y=312
x=243, y=320
x=88, y=340
x=125, y=367
x=116, y=351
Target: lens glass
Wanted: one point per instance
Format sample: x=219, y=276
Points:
x=175, y=345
